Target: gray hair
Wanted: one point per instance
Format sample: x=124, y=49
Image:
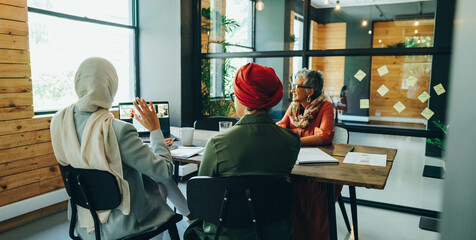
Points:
x=312, y=78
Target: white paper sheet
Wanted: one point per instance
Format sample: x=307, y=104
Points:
x=186, y=152
x=314, y=156
x=366, y=159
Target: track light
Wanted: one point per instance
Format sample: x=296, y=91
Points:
x=260, y=5
x=337, y=5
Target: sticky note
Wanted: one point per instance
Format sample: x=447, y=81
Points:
x=427, y=113
x=439, y=89
x=424, y=96
x=382, y=90
x=399, y=107
x=411, y=81
x=360, y=75
x=382, y=70
x=364, y=103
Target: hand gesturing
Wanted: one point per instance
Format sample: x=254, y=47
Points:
x=148, y=116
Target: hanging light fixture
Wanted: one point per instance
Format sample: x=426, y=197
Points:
x=364, y=23
x=416, y=23
x=337, y=5
x=416, y=31
x=260, y=5
x=370, y=31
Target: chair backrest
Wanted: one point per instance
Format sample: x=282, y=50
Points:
x=341, y=135
x=91, y=189
x=239, y=201
x=211, y=123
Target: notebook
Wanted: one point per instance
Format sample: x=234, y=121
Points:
x=314, y=156
x=162, y=109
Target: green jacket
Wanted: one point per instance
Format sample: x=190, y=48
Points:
x=254, y=146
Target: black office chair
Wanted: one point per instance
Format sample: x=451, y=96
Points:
x=239, y=202
x=341, y=135
x=211, y=123
x=98, y=190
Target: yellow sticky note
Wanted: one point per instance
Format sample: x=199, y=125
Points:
x=424, y=96
x=439, y=89
x=399, y=107
x=382, y=90
x=360, y=75
x=382, y=70
x=411, y=81
x=364, y=103
x=427, y=113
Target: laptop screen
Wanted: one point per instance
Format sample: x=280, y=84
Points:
x=162, y=109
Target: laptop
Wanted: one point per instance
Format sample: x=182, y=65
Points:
x=162, y=109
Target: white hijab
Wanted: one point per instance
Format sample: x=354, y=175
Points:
x=96, y=85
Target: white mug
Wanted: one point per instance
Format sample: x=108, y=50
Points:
x=186, y=134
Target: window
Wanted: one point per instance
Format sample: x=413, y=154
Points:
x=362, y=38
x=64, y=33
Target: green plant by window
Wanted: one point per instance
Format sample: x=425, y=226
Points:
x=436, y=141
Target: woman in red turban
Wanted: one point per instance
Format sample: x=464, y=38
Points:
x=254, y=146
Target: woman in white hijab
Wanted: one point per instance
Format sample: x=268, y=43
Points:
x=86, y=135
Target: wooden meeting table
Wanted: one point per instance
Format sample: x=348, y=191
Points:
x=353, y=175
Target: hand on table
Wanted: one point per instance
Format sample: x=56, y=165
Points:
x=148, y=116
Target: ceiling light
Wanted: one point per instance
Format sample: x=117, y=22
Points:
x=380, y=41
x=418, y=41
x=416, y=23
x=364, y=23
x=370, y=31
x=416, y=31
x=260, y=5
x=337, y=5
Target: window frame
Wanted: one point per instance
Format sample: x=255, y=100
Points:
x=134, y=26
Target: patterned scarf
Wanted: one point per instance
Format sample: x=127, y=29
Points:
x=310, y=112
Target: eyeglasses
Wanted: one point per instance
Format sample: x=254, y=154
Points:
x=295, y=86
x=232, y=96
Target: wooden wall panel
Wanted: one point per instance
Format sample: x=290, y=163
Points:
x=25, y=125
x=13, y=13
x=23, y=139
x=15, y=70
x=16, y=99
x=25, y=178
x=18, y=153
x=13, y=28
x=400, y=68
x=16, y=113
x=15, y=85
x=18, y=3
x=14, y=56
x=14, y=42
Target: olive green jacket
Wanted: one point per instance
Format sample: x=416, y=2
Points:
x=254, y=146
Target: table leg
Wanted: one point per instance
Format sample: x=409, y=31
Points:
x=331, y=211
x=176, y=171
x=353, y=208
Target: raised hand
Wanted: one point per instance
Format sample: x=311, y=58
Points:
x=148, y=116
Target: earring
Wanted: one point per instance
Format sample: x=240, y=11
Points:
x=308, y=99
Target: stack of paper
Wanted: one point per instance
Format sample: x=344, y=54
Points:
x=366, y=159
x=314, y=156
x=186, y=152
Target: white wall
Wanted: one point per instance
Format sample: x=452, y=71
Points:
x=459, y=204
x=160, y=62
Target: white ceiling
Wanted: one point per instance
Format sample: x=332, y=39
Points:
x=349, y=3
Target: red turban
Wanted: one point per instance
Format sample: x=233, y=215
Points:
x=257, y=86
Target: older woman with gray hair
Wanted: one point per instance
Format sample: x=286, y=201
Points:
x=312, y=117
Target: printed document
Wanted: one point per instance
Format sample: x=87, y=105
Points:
x=366, y=159
x=314, y=156
x=186, y=152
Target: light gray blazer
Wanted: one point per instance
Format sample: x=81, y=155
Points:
x=143, y=167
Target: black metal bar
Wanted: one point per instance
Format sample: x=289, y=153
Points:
x=331, y=211
x=176, y=171
x=223, y=209
x=253, y=34
x=396, y=208
x=77, y=18
x=353, y=208
x=333, y=52
x=306, y=33
x=344, y=213
x=391, y=130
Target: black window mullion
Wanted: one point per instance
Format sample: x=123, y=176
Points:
x=306, y=33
